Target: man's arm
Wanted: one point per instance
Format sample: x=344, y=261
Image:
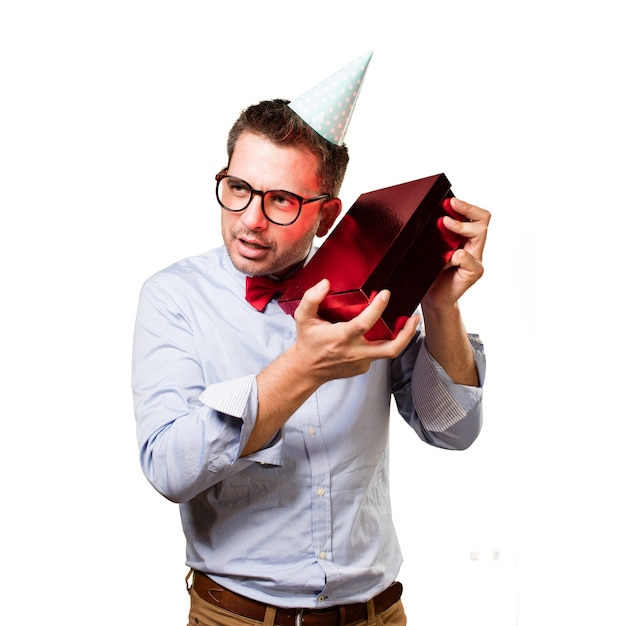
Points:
x=321, y=352
x=446, y=337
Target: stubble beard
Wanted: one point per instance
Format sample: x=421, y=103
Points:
x=274, y=265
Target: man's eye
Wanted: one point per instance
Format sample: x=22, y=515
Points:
x=237, y=188
x=283, y=200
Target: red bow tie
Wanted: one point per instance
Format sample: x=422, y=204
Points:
x=260, y=290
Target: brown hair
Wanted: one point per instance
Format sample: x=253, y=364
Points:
x=276, y=121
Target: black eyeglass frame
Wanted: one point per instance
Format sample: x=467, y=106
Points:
x=257, y=192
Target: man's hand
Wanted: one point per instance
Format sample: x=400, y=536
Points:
x=465, y=266
x=340, y=350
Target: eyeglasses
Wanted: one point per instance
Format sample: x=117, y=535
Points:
x=279, y=207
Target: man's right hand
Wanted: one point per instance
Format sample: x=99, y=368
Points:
x=340, y=350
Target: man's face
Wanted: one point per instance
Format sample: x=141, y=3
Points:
x=256, y=245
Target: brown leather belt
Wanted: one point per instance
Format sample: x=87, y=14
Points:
x=216, y=595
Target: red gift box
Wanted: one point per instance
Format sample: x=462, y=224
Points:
x=391, y=238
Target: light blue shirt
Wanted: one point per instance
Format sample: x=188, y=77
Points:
x=306, y=521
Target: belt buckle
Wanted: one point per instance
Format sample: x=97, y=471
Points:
x=299, y=613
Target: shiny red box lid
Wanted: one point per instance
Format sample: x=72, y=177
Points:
x=391, y=238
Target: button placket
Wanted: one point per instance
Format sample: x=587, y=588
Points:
x=320, y=479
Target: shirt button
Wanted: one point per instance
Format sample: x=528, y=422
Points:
x=321, y=598
x=311, y=431
x=322, y=555
x=320, y=491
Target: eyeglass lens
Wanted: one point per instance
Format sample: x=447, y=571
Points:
x=281, y=207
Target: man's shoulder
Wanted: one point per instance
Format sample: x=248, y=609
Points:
x=206, y=282
x=189, y=267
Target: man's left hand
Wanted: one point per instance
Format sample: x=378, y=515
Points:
x=465, y=267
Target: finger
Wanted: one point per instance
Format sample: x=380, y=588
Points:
x=464, y=260
x=365, y=320
x=311, y=300
x=470, y=211
x=406, y=333
x=474, y=231
x=391, y=348
x=464, y=228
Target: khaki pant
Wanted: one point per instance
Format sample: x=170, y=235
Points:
x=203, y=613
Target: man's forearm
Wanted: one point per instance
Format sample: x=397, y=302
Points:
x=282, y=389
x=447, y=342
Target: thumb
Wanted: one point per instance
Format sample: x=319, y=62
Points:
x=312, y=299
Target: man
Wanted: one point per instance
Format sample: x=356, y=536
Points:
x=271, y=432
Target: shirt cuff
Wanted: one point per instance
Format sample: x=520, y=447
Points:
x=239, y=398
x=438, y=400
x=231, y=397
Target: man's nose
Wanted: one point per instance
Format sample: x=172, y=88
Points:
x=253, y=216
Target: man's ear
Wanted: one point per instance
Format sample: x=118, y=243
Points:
x=328, y=214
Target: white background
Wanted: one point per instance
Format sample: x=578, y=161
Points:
x=113, y=122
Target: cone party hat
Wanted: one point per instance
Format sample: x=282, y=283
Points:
x=328, y=107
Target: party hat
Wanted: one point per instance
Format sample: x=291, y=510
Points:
x=328, y=107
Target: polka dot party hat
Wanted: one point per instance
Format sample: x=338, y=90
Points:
x=328, y=107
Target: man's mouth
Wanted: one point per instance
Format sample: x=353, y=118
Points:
x=253, y=244
x=252, y=249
